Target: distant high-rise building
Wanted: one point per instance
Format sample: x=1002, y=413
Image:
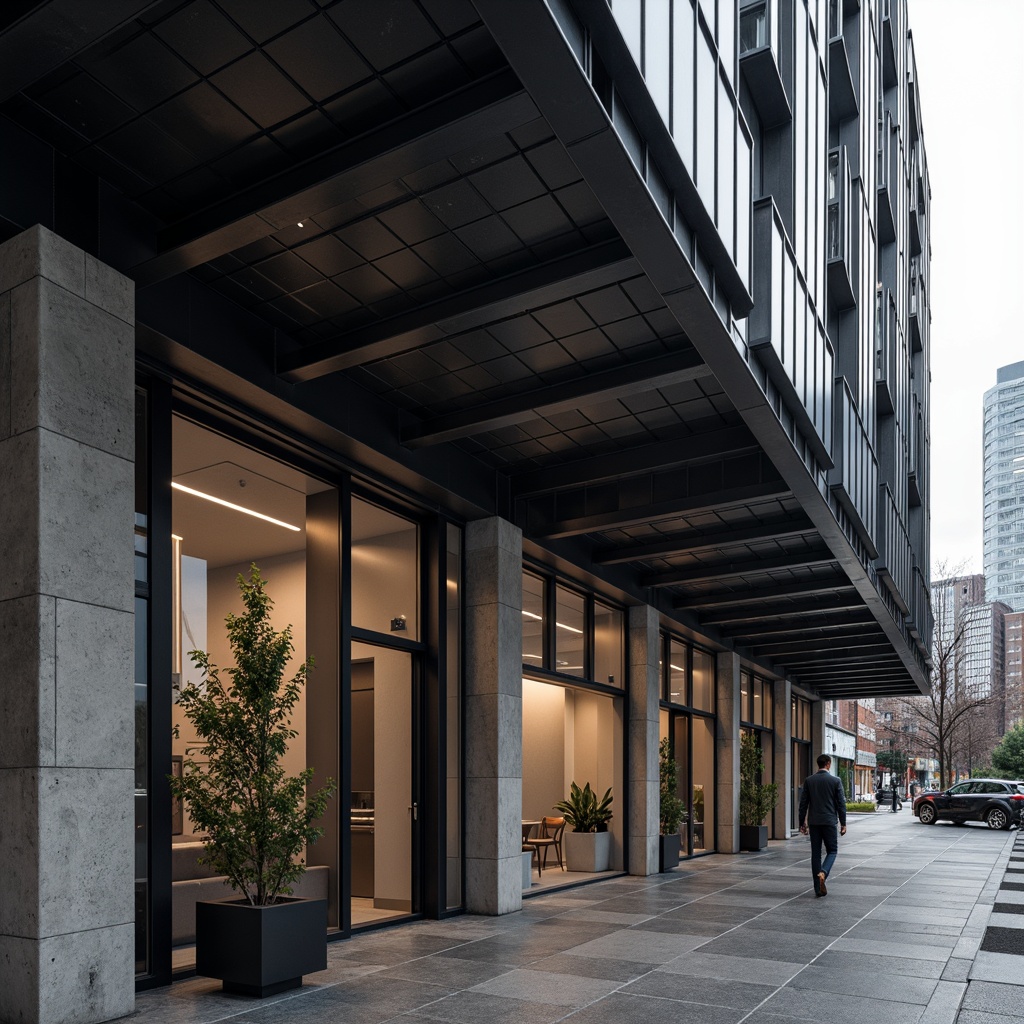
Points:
x=1003, y=480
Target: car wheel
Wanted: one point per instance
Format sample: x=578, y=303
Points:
x=927, y=814
x=997, y=818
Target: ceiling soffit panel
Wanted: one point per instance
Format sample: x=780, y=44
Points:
x=395, y=207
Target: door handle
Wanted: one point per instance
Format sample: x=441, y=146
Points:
x=414, y=807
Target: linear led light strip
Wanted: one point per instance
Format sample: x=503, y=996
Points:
x=560, y=625
x=237, y=508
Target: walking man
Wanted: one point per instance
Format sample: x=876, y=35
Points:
x=822, y=811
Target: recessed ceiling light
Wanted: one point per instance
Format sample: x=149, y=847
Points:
x=231, y=505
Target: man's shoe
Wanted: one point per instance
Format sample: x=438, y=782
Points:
x=822, y=891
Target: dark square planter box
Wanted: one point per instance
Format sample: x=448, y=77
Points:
x=753, y=837
x=668, y=851
x=258, y=951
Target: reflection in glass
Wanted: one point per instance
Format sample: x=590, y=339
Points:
x=703, y=680
x=681, y=753
x=141, y=688
x=706, y=93
x=682, y=81
x=570, y=620
x=753, y=28
x=758, y=712
x=608, y=650
x=703, y=801
x=218, y=541
x=744, y=696
x=678, y=691
x=382, y=819
x=385, y=571
x=533, y=620
x=569, y=735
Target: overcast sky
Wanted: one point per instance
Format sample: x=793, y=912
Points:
x=971, y=80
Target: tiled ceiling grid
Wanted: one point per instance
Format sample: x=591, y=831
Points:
x=193, y=101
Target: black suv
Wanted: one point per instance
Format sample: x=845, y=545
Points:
x=997, y=802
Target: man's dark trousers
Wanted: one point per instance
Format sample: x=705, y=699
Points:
x=829, y=835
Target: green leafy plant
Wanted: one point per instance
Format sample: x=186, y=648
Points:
x=672, y=810
x=583, y=812
x=866, y=806
x=256, y=820
x=757, y=799
x=1008, y=757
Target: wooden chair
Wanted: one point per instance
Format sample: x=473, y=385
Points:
x=529, y=845
x=551, y=830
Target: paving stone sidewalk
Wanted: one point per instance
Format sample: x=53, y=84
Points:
x=721, y=940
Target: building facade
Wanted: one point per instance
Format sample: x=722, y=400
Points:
x=564, y=368
x=1003, y=463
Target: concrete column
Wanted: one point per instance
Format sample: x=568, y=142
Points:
x=727, y=684
x=818, y=732
x=494, y=716
x=644, y=780
x=782, y=821
x=67, y=720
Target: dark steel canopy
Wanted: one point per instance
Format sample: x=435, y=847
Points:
x=401, y=230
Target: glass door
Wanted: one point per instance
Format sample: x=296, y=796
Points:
x=385, y=801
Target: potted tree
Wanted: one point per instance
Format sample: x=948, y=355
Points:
x=588, y=844
x=257, y=821
x=757, y=798
x=672, y=812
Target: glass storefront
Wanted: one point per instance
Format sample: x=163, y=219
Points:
x=381, y=713
x=572, y=727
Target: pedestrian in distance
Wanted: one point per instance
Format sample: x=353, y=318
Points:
x=822, y=814
x=895, y=798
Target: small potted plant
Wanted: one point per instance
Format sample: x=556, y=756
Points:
x=256, y=820
x=757, y=799
x=588, y=844
x=672, y=811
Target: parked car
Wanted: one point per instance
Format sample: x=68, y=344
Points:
x=997, y=802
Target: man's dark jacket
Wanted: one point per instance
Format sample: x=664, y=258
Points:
x=823, y=794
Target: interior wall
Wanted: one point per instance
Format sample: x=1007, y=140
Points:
x=385, y=582
x=392, y=726
x=597, y=755
x=286, y=578
x=544, y=748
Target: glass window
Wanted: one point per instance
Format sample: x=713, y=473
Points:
x=385, y=571
x=753, y=28
x=727, y=36
x=657, y=41
x=768, y=704
x=571, y=735
x=678, y=691
x=757, y=692
x=608, y=647
x=725, y=212
x=706, y=122
x=745, y=697
x=141, y=688
x=233, y=508
x=533, y=620
x=703, y=680
x=570, y=634
x=702, y=806
x=683, y=83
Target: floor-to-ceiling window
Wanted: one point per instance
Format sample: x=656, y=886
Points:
x=800, y=718
x=233, y=508
x=573, y=674
x=688, y=720
x=757, y=706
x=350, y=574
